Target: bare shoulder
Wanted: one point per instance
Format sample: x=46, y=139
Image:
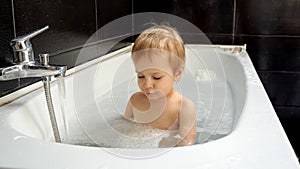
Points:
x=133, y=101
x=187, y=103
x=188, y=106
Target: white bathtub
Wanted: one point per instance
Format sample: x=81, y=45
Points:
x=256, y=139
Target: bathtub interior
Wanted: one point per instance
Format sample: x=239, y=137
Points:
x=95, y=97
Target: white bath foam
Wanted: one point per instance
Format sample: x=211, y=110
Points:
x=103, y=126
x=128, y=134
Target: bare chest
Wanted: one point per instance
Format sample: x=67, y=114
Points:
x=159, y=115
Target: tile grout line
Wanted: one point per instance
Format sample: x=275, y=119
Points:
x=132, y=19
x=269, y=36
x=96, y=16
x=96, y=23
x=287, y=106
x=279, y=71
x=234, y=22
x=13, y=17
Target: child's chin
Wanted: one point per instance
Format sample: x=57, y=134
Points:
x=155, y=96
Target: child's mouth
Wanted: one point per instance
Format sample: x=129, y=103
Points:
x=149, y=92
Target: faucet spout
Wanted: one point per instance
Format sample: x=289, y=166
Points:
x=31, y=69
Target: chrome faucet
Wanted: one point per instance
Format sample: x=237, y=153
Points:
x=24, y=64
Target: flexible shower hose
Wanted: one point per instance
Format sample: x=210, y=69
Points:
x=46, y=82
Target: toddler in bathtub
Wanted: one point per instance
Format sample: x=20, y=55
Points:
x=158, y=55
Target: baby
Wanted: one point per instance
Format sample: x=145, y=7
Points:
x=158, y=55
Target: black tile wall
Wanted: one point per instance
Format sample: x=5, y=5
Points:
x=6, y=32
x=120, y=8
x=212, y=17
x=294, y=116
x=273, y=53
x=71, y=23
x=268, y=17
x=165, y=6
x=283, y=88
x=8, y=86
x=116, y=24
x=221, y=39
x=290, y=122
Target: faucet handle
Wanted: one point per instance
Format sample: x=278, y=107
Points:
x=44, y=58
x=22, y=47
x=29, y=35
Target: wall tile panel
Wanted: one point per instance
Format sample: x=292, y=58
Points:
x=268, y=17
x=273, y=53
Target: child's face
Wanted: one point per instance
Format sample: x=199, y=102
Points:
x=155, y=76
x=155, y=83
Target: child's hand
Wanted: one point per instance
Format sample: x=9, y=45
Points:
x=169, y=142
x=176, y=141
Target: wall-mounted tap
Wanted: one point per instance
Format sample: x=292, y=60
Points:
x=25, y=66
x=24, y=63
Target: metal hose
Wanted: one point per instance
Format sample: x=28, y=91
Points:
x=46, y=82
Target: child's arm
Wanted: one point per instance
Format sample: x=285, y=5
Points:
x=187, y=123
x=187, y=127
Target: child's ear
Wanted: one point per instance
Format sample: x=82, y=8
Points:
x=179, y=72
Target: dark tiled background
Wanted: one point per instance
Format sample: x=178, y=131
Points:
x=270, y=28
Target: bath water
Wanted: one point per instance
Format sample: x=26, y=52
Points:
x=101, y=123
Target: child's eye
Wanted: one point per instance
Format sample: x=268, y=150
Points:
x=141, y=76
x=157, y=78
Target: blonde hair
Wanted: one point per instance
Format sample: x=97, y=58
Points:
x=163, y=38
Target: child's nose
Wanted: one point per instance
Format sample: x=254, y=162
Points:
x=148, y=83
